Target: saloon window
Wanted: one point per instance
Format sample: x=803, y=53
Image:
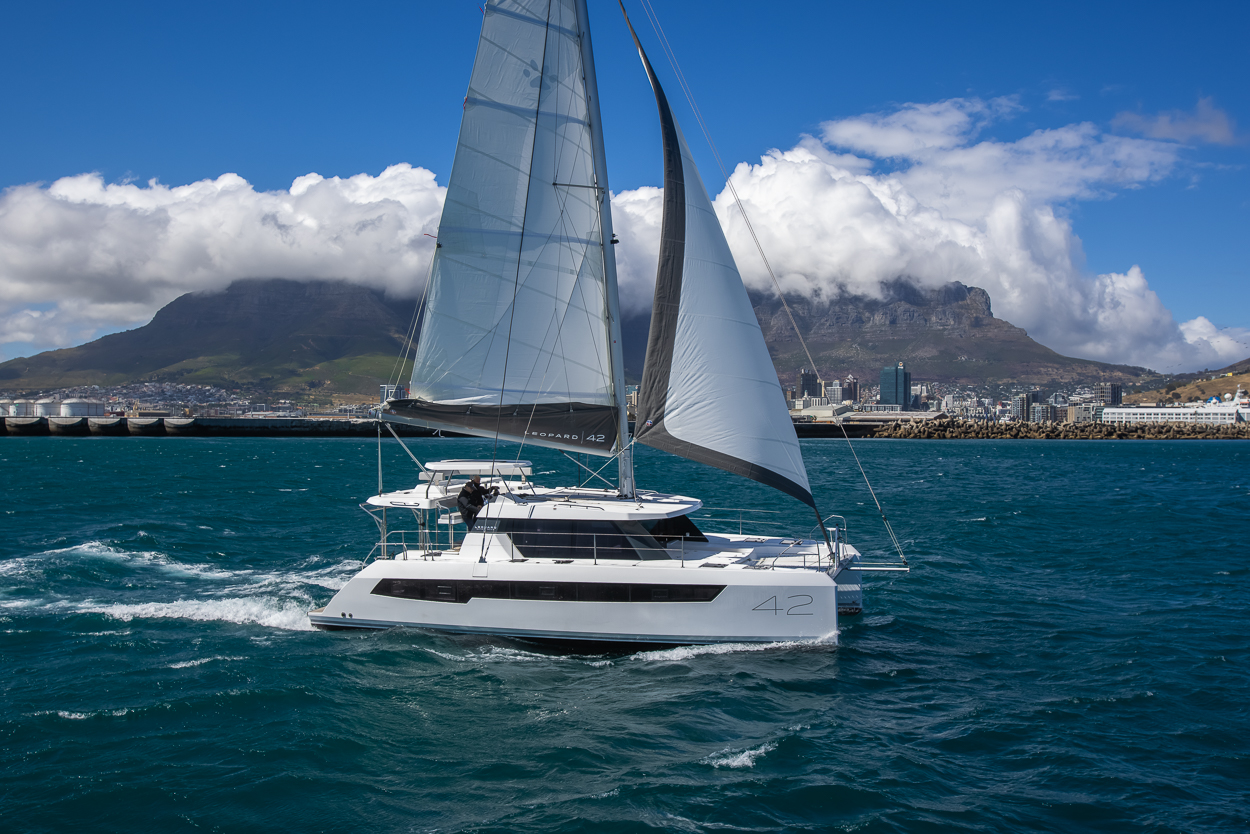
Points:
x=665, y=530
x=539, y=538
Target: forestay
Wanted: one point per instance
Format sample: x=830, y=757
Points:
x=516, y=339
x=709, y=391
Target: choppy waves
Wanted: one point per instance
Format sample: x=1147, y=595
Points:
x=1067, y=654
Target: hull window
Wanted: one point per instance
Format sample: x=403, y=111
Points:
x=438, y=590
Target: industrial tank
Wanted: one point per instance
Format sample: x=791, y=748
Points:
x=47, y=407
x=22, y=408
x=6, y=408
x=76, y=407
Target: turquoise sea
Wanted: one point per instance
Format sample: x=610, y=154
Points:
x=1069, y=653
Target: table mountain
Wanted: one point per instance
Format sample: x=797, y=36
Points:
x=948, y=334
x=287, y=335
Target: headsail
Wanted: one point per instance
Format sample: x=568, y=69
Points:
x=709, y=391
x=517, y=337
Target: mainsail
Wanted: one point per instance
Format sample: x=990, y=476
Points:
x=709, y=391
x=520, y=335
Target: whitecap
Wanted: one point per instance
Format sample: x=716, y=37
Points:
x=100, y=550
x=266, y=611
x=187, y=664
x=688, y=652
x=739, y=759
x=13, y=566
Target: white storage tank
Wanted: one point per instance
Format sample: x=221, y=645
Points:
x=22, y=408
x=47, y=407
x=6, y=408
x=76, y=407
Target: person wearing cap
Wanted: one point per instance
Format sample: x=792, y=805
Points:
x=473, y=497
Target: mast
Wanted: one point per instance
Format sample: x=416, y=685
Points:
x=625, y=459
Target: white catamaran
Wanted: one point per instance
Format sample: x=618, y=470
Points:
x=520, y=341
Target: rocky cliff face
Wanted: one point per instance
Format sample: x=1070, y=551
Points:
x=286, y=334
x=948, y=334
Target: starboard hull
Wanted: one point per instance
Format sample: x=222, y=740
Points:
x=649, y=605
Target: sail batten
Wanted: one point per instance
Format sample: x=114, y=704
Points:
x=709, y=391
x=518, y=311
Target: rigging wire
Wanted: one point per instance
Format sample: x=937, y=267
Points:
x=707, y=135
x=397, y=370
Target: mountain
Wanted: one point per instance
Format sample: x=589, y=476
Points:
x=948, y=334
x=287, y=335
x=275, y=334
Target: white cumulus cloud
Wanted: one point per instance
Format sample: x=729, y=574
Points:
x=925, y=197
x=921, y=192
x=81, y=256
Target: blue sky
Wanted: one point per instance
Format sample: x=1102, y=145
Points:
x=272, y=91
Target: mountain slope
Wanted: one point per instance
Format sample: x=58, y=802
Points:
x=286, y=335
x=275, y=333
x=948, y=334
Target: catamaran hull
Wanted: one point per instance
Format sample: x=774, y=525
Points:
x=749, y=606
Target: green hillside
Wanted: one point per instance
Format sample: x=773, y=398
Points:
x=278, y=335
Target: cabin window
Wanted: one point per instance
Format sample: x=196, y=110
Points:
x=665, y=530
x=541, y=538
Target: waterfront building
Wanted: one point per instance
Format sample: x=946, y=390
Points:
x=809, y=384
x=1020, y=404
x=1081, y=413
x=896, y=386
x=850, y=388
x=1041, y=413
x=1223, y=414
x=1108, y=393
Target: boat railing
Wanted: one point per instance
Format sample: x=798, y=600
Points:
x=741, y=516
x=589, y=546
x=399, y=542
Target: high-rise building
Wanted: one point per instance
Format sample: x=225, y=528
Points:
x=809, y=384
x=896, y=386
x=833, y=392
x=1020, y=404
x=850, y=388
x=1108, y=393
x=1041, y=413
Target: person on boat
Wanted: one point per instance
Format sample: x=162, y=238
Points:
x=473, y=497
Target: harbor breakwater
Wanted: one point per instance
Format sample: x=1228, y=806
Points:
x=908, y=429
x=202, y=426
x=955, y=429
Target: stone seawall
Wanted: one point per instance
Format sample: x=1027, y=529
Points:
x=203, y=427
x=952, y=429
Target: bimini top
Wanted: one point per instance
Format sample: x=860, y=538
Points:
x=482, y=467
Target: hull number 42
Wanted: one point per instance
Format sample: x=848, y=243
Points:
x=792, y=606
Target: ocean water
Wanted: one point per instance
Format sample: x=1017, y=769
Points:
x=1069, y=653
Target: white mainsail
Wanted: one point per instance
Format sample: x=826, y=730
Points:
x=709, y=391
x=519, y=338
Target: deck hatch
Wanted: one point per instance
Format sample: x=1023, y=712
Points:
x=441, y=590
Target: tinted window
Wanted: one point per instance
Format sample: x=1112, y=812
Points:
x=540, y=538
x=666, y=530
x=438, y=590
